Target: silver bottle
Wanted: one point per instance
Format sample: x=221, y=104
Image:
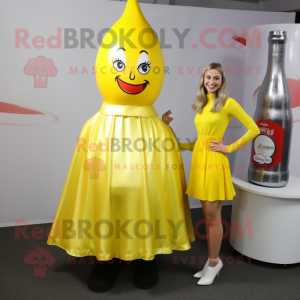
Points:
x=269, y=162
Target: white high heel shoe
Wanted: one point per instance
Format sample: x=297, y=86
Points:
x=211, y=274
x=202, y=272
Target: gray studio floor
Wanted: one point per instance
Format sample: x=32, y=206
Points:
x=62, y=280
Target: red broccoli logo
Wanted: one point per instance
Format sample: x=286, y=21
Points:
x=94, y=165
x=39, y=258
x=40, y=68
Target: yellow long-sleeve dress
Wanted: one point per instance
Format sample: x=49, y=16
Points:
x=210, y=176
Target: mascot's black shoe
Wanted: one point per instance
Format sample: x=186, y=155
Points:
x=145, y=273
x=103, y=275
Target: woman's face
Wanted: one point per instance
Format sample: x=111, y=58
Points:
x=212, y=80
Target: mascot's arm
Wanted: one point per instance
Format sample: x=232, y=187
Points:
x=187, y=146
x=184, y=146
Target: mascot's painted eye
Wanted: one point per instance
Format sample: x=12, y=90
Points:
x=144, y=68
x=119, y=65
x=143, y=63
x=119, y=62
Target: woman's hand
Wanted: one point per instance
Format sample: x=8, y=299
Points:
x=218, y=146
x=165, y=117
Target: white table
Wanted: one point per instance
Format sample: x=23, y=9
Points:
x=273, y=215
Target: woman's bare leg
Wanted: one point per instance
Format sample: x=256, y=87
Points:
x=214, y=229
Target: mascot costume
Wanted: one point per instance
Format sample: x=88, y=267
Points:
x=124, y=196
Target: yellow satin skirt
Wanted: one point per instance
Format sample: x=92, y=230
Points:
x=210, y=176
x=124, y=196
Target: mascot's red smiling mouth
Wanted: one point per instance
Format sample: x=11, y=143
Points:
x=132, y=89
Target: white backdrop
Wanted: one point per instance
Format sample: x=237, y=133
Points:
x=37, y=145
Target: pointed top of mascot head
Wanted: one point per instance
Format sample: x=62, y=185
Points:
x=130, y=64
x=133, y=15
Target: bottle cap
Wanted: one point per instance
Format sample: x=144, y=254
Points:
x=277, y=32
x=278, y=36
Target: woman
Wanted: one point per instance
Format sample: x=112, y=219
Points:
x=210, y=177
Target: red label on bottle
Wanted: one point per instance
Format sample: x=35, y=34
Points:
x=268, y=145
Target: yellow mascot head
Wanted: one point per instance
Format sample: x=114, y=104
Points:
x=130, y=64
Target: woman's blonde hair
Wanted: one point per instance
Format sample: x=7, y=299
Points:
x=221, y=94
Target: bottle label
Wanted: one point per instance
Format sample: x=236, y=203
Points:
x=268, y=145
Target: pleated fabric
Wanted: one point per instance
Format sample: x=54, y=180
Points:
x=124, y=196
x=210, y=176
